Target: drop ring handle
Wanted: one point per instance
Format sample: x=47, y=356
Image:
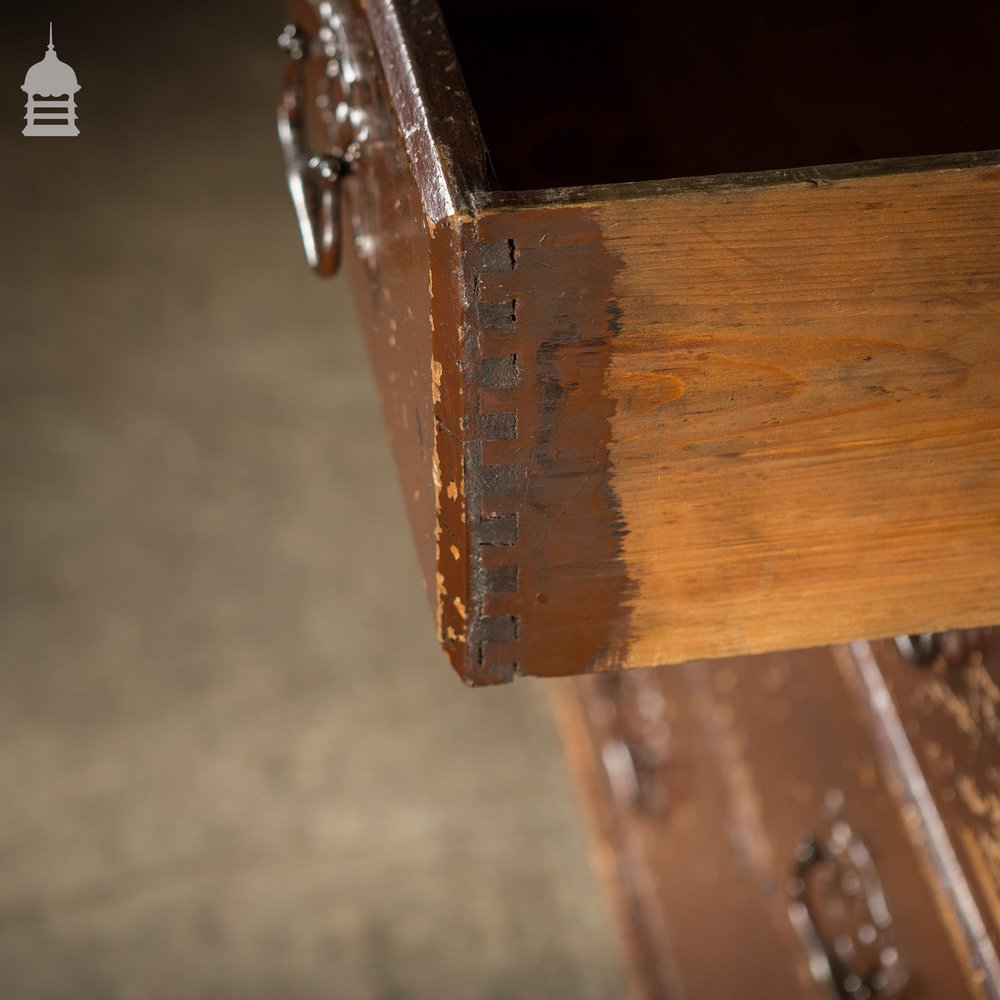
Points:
x=313, y=180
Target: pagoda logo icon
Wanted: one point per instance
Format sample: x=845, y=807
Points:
x=51, y=87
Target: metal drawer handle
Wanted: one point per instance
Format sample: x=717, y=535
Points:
x=313, y=181
x=921, y=648
x=840, y=914
x=953, y=650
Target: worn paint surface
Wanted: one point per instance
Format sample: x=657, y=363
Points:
x=448, y=312
x=950, y=709
x=539, y=428
x=795, y=376
x=386, y=257
x=703, y=781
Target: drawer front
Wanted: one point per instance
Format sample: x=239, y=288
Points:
x=384, y=241
x=761, y=847
x=698, y=921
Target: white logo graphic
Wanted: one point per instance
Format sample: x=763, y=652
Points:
x=51, y=88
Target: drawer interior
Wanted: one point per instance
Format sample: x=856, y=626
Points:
x=588, y=92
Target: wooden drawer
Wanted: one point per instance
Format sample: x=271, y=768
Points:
x=646, y=420
x=761, y=839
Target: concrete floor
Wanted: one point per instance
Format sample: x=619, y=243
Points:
x=221, y=773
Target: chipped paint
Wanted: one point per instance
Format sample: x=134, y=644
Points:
x=435, y=378
x=538, y=483
x=446, y=316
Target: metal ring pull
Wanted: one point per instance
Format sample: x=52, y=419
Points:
x=841, y=916
x=313, y=181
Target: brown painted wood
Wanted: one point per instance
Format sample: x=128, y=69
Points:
x=387, y=246
x=656, y=422
x=949, y=707
x=398, y=200
x=665, y=844
x=703, y=781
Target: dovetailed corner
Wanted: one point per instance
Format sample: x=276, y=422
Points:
x=500, y=426
x=499, y=373
x=493, y=651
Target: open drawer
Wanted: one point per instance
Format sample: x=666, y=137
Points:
x=659, y=388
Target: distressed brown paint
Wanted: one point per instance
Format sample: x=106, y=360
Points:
x=547, y=324
x=950, y=708
x=703, y=780
x=646, y=423
x=383, y=210
x=447, y=318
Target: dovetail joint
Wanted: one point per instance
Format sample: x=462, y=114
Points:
x=495, y=636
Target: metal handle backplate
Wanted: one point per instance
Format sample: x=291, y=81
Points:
x=315, y=178
x=840, y=913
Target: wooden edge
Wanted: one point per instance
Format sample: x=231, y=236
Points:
x=817, y=176
x=439, y=126
x=449, y=164
x=450, y=319
x=925, y=826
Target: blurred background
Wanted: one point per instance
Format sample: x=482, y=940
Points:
x=233, y=761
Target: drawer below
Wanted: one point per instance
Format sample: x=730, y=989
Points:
x=759, y=840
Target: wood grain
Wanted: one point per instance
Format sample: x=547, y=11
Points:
x=829, y=467
x=804, y=388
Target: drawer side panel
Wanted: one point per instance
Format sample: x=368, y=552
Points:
x=803, y=388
